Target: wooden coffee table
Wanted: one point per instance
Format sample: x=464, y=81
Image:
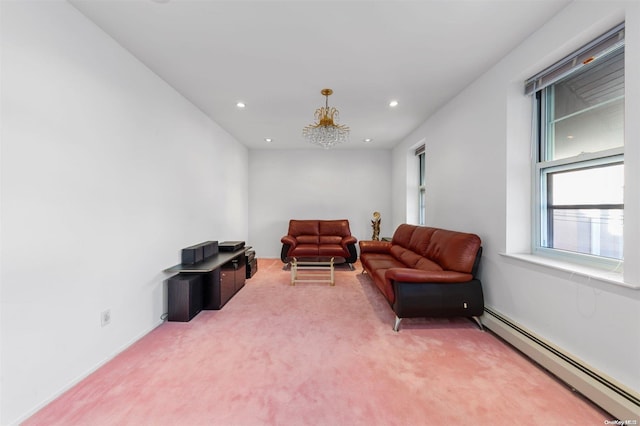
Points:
x=313, y=269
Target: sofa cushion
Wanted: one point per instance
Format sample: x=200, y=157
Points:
x=454, y=251
x=384, y=284
x=382, y=261
x=334, y=227
x=305, y=250
x=451, y=250
x=308, y=239
x=330, y=239
x=420, y=240
x=406, y=256
x=403, y=234
x=303, y=227
x=425, y=264
x=332, y=250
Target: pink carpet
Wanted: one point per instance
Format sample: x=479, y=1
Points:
x=317, y=355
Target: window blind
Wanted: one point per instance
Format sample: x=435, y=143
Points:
x=607, y=43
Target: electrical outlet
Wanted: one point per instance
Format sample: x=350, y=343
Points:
x=105, y=317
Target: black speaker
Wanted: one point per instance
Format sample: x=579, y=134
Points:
x=199, y=252
x=209, y=249
x=193, y=254
x=185, y=296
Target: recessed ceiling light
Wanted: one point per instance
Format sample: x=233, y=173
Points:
x=393, y=104
x=367, y=140
x=240, y=105
x=268, y=139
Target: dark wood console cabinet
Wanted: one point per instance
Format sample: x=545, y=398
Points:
x=221, y=284
x=218, y=280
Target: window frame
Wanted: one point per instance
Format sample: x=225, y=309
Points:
x=540, y=170
x=422, y=191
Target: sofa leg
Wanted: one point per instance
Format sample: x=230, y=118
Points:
x=396, y=326
x=477, y=320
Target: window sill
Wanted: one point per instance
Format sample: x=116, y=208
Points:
x=610, y=277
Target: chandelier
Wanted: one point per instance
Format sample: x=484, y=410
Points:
x=325, y=132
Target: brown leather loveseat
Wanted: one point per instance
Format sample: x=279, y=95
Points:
x=427, y=272
x=319, y=238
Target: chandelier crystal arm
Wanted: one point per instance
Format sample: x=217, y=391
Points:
x=325, y=132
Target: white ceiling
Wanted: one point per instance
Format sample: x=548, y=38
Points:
x=276, y=56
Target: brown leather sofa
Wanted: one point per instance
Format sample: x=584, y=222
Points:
x=427, y=272
x=319, y=238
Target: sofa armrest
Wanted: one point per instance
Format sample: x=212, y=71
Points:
x=350, y=239
x=375, y=246
x=289, y=240
x=409, y=275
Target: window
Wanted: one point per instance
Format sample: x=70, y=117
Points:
x=422, y=193
x=579, y=161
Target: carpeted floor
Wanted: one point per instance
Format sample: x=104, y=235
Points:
x=312, y=354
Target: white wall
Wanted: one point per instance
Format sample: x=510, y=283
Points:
x=405, y=183
x=316, y=184
x=478, y=180
x=106, y=172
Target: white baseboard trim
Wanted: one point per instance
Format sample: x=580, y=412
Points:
x=83, y=376
x=613, y=397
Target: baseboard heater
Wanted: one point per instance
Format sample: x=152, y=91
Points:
x=616, y=399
